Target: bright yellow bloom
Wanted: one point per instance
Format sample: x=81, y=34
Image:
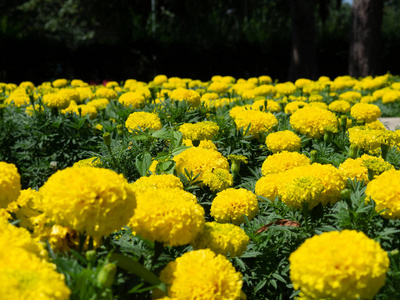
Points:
x=301, y=190
x=168, y=216
x=56, y=100
x=340, y=106
x=182, y=94
x=143, y=120
x=89, y=162
x=283, y=161
x=365, y=112
x=218, y=179
x=222, y=239
x=267, y=186
x=350, y=96
x=339, y=265
x=104, y=92
x=132, y=99
x=157, y=182
x=285, y=140
x=10, y=183
x=257, y=120
x=231, y=205
x=160, y=79
x=90, y=200
x=201, y=274
x=291, y=107
x=58, y=83
x=205, y=130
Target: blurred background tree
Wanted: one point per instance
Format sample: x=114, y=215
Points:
x=94, y=40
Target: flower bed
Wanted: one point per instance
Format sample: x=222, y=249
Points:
x=184, y=189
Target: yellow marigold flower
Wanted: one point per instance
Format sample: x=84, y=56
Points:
x=291, y=107
x=81, y=110
x=58, y=83
x=231, y=205
x=99, y=103
x=27, y=85
x=217, y=179
x=285, y=140
x=283, y=161
x=111, y=84
x=78, y=83
x=259, y=122
x=365, y=112
x=340, y=106
x=286, y=88
x=376, y=125
x=265, y=79
x=319, y=105
x=19, y=237
x=132, y=99
x=248, y=94
x=199, y=160
x=144, y=91
x=350, y=96
x=182, y=94
x=267, y=186
x=385, y=191
x=339, y=265
x=25, y=207
x=205, y=130
x=303, y=189
x=302, y=82
x=157, y=182
x=215, y=277
x=312, y=121
x=390, y=97
x=272, y=106
x=18, y=99
x=377, y=165
x=104, y=92
x=370, y=139
x=395, y=86
x=86, y=94
x=205, y=144
x=222, y=239
x=89, y=162
x=56, y=100
x=71, y=93
x=265, y=90
x=168, y=216
x=25, y=276
x=89, y=200
x=160, y=79
x=10, y=184
x=315, y=97
x=354, y=168
x=143, y=120
x=237, y=110
x=368, y=99
x=218, y=87
x=207, y=97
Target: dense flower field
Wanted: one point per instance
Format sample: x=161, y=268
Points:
x=184, y=189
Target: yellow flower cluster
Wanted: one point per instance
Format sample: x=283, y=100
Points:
x=218, y=179
x=339, y=265
x=56, y=100
x=371, y=139
x=259, y=121
x=169, y=216
x=222, y=239
x=157, y=182
x=58, y=83
x=143, y=120
x=280, y=162
x=355, y=168
x=198, y=160
x=285, y=140
x=231, y=205
x=182, y=94
x=340, y=106
x=385, y=191
x=89, y=162
x=132, y=99
x=312, y=121
x=99, y=104
x=291, y=107
x=25, y=207
x=202, y=274
x=205, y=130
x=365, y=112
x=303, y=190
x=108, y=93
x=377, y=165
x=10, y=183
x=350, y=96
x=90, y=200
x=218, y=87
x=81, y=110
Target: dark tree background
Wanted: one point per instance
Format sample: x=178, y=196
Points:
x=41, y=40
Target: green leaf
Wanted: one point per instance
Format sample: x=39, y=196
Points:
x=140, y=137
x=279, y=277
x=163, y=134
x=179, y=150
x=166, y=167
x=260, y=285
x=143, y=163
x=177, y=138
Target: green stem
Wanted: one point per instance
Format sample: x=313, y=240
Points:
x=82, y=239
x=158, y=250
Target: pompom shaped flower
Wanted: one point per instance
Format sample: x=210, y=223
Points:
x=283, y=161
x=218, y=179
x=350, y=96
x=303, y=190
x=218, y=87
x=222, y=239
x=339, y=265
x=198, y=160
x=265, y=90
x=293, y=106
x=81, y=110
x=168, y=216
x=10, y=184
x=390, y=97
x=231, y=205
x=182, y=94
x=157, y=182
x=205, y=130
x=312, y=121
x=285, y=140
x=365, y=112
x=340, y=106
x=286, y=88
x=106, y=93
x=89, y=162
x=206, y=144
x=385, y=191
x=90, y=200
x=18, y=99
x=99, y=104
x=25, y=208
x=354, y=168
x=160, y=79
x=58, y=83
x=202, y=274
x=23, y=275
x=56, y=100
x=258, y=121
x=267, y=186
x=143, y=120
x=132, y=99
x=71, y=93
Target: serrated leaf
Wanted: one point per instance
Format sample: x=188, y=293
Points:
x=143, y=163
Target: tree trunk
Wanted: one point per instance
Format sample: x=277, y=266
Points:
x=303, y=62
x=365, y=38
